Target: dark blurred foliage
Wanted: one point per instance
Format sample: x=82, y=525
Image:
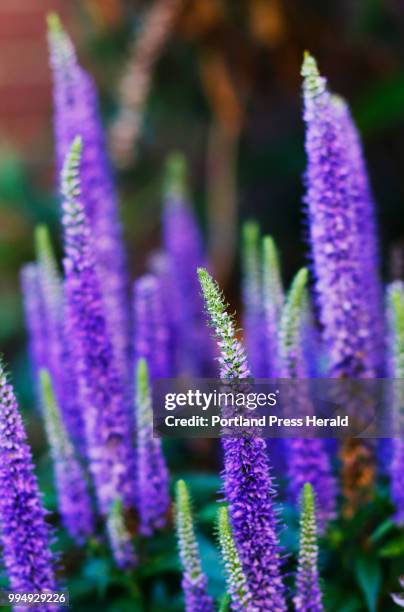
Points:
x=231, y=66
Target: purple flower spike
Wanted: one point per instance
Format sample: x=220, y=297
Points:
x=184, y=249
x=74, y=500
x=248, y=484
x=152, y=341
x=194, y=581
x=396, y=321
x=308, y=596
x=107, y=420
x=59, y=360
x=337, y=220
x=25, y=535
x=343, y=250
x=308, y=460
x=76, y=109
x=254, y=317
x=152, y=479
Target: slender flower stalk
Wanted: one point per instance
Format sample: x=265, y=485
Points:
x=76, y=107
x=339, y=213
x=308, y=460
x=108, y=426
x=248, y=484
x=253, y=302
x=74, y=500
x=194, y=581
x=396, y=320
x=272, y=299
x=308, y=596
x=184, y=249
x=152, y=473
x=25, y=535
x=235, y=579
x=34, y=317
x=119, y=537
x=58, y=350
x=152, y=338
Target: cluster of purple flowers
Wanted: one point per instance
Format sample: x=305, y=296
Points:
x=85, y=349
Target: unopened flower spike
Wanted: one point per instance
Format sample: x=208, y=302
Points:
x=152, y=473
x=108, y=423
x=395, y=298
x=119, y=537
x=248, y=484
x=308, y=596
x=194, y=581
x=341, y=233
x=236, y=582
x=25, y=535
x=272, y=301
x=252, y=300
x=232, y=358
x=308, y=459
x=74, y=500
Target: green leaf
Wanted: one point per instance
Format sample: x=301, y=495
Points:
x=395, y=548
x=368, y=575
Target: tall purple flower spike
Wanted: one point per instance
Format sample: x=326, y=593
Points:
x=152, y=337
x=396, y=321
x=76, y=109
x=108, y=425
x=59, y=359
x=248, y=484
x=74, y=500
x=367, y=230
x=34, y=317
x=184, y=250
x=308, y=596
x=341, y=229
x=25, y=535
x=152, y=473
x=254, y=315
x=308, y=460
x=337, y=217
